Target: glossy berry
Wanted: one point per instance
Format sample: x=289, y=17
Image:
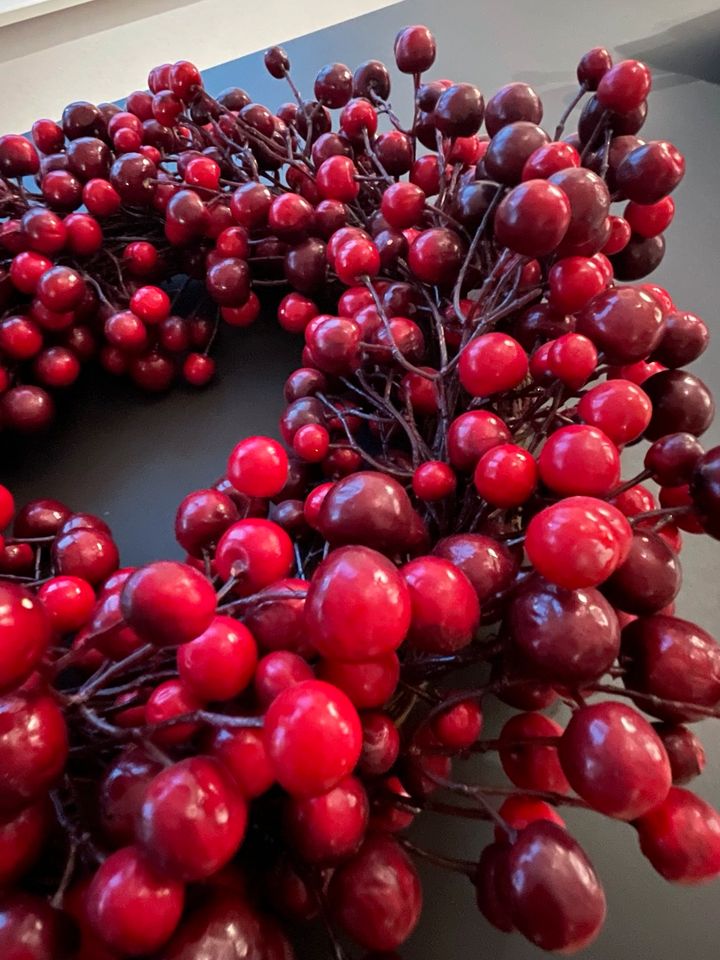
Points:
x=459, y=726
x=168, y=603
x=506, y=475
x=624, y=87
x=192, y=819
x=33, y=748
x=243, y=755
x=220, y=662
x=24, y=634
x=579, y=460
x=532, y=218
x=314, y=737
x=492, y=363
x=376, y=896
x=331, y=827
x=619, y=408
x=257, y=467
x=68, y=602
x=526, y=765
x=555, y=897
x=444, y=607
x=368, y=683
x=358, y=606
x=255, y=552
x=433, y=480
x=130, y=907
x=614, y=760
x=681, y=838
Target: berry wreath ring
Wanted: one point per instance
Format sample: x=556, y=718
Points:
x=198, y=757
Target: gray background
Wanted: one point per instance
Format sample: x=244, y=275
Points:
x=131, y=458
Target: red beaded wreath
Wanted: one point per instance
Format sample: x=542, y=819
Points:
x=194, y=753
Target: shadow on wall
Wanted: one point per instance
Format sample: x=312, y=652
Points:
x=691, y=48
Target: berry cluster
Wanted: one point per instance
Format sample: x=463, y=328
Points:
x=197, y=756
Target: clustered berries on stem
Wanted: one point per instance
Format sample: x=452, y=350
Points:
x=194, y=753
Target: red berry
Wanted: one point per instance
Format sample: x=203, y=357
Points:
x=573, y=282
x=434, y=480
x=24, y=634
x=257, y=467
x=614, y=760
x=256, y=553
x=619, y=408
x=369, y=683
x=459, y=726
x=69, y=601
x=376, y=896
x=574, y=542
x=492, y=363
x=624, y=87
x=314, y=737
x=681, y=838
x=168, y=603
x=506, y=475
x=329, y=828
x=650, y=220
x=445, y=608
x=192, y=820
x=130, y=907
x=555, y=897
x=579, y=460
x=357, y=605
x=220, y=663
x=402, y=205
x=242, y=754
x=527, y=766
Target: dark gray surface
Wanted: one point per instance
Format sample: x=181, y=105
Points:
x=132, y=459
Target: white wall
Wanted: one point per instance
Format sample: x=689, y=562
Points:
x=102, y=49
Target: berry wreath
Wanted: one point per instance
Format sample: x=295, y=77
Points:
x=198, y=756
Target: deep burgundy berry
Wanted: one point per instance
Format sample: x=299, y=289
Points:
x=436, y=255
x=672, y=659
x=510, y=149
x=533, y=218
x=593, y=66
x=376, y=896
x=685, y=751
x=614, y=760
x=681, y=403
x=566, y=635
x=513, y=102
x=471, y=435
x=555, y=896
x=414, y=49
